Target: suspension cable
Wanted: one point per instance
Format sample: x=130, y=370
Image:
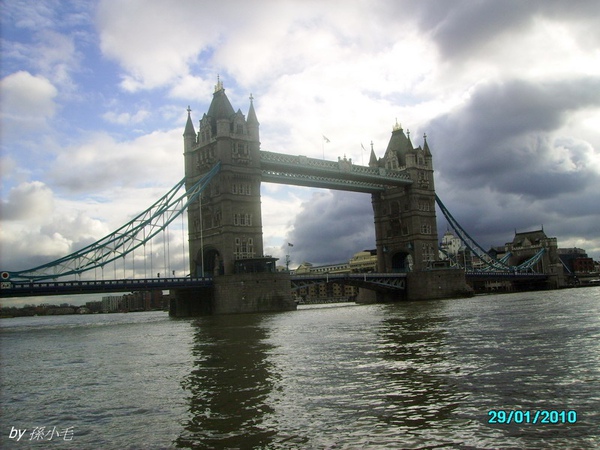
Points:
x=122, y=241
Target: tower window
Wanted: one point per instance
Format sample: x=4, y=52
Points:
x=244, y=220
x=244, y=248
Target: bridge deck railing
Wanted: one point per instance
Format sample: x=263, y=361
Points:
x=22, y=288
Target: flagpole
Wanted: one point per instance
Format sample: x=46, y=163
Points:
x=362, y=156
x=325, y=140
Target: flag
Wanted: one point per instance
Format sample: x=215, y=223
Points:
x=363, y=147
x=326, y=140
x=290, y=245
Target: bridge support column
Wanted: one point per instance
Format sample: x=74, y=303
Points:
x=191, y=302
x=253, y=292
x=236, y=294
x=437, y=284
x=369, y=296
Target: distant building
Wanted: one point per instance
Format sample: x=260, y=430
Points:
x=526, y=245
x=361, y=262
x=569, y=255
x=365, y=261
x=111, y=303
x=451, y=244
x=136, y=301
x=453, y=250
x=583, y=265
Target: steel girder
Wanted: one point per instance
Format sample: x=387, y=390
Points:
x=135, y=233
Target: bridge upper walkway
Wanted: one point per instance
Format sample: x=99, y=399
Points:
x=341, y=175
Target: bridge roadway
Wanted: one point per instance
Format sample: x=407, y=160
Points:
x=501, y=276
x=380, y=281
x=41, y=288
x=384, y=282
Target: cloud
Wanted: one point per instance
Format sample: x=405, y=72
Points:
x=28, y=201
x=102, y=163
x=126, y=118
x=463, y=30
x=28, y=101
x=507, y=136
x=55, y=36
x=331, y=227
x=175, y=36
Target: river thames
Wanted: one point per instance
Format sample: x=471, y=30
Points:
x=406, y=375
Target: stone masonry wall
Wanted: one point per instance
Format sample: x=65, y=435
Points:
x=437, y=284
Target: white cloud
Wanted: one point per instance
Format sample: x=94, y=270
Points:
x=101, y=163
x=27, y=98
x=157, y=47
x=126, y=118
x=29, y=201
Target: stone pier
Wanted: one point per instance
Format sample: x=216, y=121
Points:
x=236, y=294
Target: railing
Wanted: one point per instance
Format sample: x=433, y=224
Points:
x=503, y=274
x=281, y=161
x=288, y=177
x=24, y=288
x=379, y=281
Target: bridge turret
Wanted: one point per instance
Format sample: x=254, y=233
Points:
x=220, y=112
x=189, y=142
x=373, y=158
x=253, y=124
x=405, y=221
x=189, y=134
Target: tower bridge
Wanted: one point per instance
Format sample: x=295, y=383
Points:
x=225, y=223
x=228, y=270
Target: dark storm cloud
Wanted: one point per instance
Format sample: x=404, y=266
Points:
x=461, y=28
x=331, y=227
x=504, y=138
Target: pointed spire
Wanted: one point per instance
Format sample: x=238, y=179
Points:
x=426, y=146
x=410, y=145
x=251, y=113
x=219, y=85
x=220, y=107
x=373, y=157
x=189, y=126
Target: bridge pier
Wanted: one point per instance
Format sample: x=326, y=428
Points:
x=437, y=284
x=366, y=296
x=236, y=294
x=422, y=285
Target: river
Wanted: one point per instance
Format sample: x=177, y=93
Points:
x=404, y=375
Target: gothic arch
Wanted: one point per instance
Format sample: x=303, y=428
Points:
x=401, y=262
x=213, y=263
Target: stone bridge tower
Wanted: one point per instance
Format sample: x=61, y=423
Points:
x=225, y=222
x=405, y=222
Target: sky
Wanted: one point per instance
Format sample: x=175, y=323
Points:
x=94, y=94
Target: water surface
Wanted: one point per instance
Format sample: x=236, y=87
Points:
x=406, y=375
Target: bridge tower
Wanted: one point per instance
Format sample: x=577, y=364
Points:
x=405, y=221
x=225, y=223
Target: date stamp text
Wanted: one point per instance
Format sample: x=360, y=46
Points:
x=541, y=416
